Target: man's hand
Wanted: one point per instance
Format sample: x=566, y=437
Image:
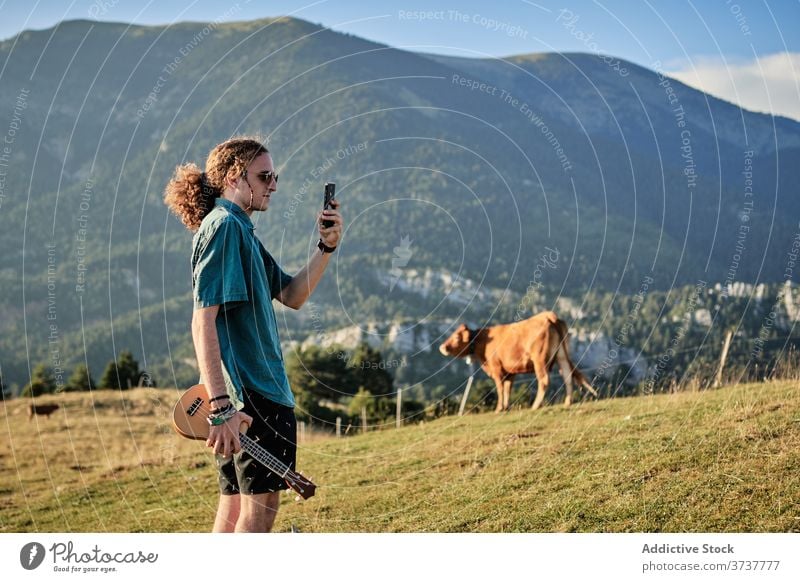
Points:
x=330, y=236
x=224, y=439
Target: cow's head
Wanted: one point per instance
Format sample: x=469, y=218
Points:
x=457, y=344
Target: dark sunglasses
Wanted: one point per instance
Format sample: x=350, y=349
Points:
x=265, y=177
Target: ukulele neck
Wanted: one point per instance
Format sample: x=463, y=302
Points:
x=262, y=456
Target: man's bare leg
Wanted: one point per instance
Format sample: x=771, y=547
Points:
x=227, y=514
x=258, y=512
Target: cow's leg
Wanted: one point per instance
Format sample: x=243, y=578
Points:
x=566, y=372
x=543, y=381
x=507, y=383
x=498, y=382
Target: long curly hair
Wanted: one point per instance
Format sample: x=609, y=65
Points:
x=191, y=192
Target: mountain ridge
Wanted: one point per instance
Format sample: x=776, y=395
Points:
x=477, y=182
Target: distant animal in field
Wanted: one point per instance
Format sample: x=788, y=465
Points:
x=41, y=410
x=532, y=345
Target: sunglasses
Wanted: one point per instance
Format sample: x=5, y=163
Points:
x=265, y=177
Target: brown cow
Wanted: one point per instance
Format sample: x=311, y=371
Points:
x=532, y=345
x=41, y=409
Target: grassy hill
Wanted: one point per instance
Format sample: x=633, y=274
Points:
x=720, y=461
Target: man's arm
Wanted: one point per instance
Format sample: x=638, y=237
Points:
x=223, y=438
x=206, y=345
x=303, y=284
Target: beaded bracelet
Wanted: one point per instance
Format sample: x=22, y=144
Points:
x=219, y=420
x=221, y=416
x=218, y=411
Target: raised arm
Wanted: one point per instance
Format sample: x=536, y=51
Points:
x=303, y=283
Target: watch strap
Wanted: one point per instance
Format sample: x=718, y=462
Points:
x=324, y=248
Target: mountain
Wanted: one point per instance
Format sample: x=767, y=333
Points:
x=481, y=168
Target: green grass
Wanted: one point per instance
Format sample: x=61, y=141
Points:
x=720, y=461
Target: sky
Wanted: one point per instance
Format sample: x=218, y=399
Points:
x=745, y=51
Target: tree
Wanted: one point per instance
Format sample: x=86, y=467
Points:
x=317, y=375
x=362, y=400
x=307, y=408
x=81, y=380
x=122, y=374
x=109, y=379
x=318, y=372
x=368, y=371
x=42, y=382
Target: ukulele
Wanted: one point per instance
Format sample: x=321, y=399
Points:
x=190, y=420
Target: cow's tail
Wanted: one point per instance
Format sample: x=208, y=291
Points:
x=563, y=345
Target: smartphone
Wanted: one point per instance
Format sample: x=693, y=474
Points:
x=330, y=192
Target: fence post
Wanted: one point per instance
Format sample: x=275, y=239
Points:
x=398, y=417
x=364, y=419
x=722, y=358
x=302, y=431
x=338, y=426
x=466, y=390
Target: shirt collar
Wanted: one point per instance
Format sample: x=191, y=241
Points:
x=236, y=210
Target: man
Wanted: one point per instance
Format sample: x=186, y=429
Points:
x=235, y=330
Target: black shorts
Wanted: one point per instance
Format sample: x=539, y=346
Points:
x=275, y=429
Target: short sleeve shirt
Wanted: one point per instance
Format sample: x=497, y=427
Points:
x=232, y=269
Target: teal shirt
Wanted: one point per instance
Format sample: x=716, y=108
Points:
x=232, y=269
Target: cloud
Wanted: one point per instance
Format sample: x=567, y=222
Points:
x=768, y=84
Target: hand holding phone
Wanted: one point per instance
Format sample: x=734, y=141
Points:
x=330, y=192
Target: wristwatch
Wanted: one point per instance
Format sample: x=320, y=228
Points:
x=325, y=249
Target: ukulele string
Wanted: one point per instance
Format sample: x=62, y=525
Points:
x=267, y=459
